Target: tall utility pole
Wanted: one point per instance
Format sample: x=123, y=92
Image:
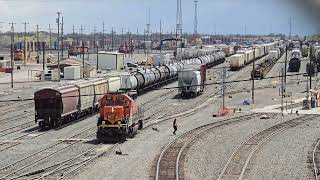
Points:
x=122, y=38
x=290, y=28
x=195, y=18
x=82, y=58
x=38, y=44
x=282, y=90
x=245, y=32
x=58, y=44
x=160, y=39
x=148, y=26
x=254, y=68
x=179, y=26
x=112, y=38
x=94, y=36
x=50, y=38
x=25, y=42
x=223, y=87
x=73, y=34
x=103, y=36
x=285, y=69
x=43, y=55
x=62, y=44
x=12, y=52
x=81, y=38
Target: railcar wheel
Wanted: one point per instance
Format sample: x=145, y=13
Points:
x=54, y=123
x=122, y=138
x=42, y=125
x=140, y=124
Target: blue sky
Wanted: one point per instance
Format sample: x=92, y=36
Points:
x=229, y=16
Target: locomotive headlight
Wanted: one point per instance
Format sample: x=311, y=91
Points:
x=103, y=122
x=112, y=110
x=119, y=122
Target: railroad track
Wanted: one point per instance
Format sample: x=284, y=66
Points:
x=19, y=127
x=151, y=100
x=316, y=160
x=12, y=170
x=170, y=159
x=69, y=167
x=5, y=120
x=238, y=164
x=17, y=107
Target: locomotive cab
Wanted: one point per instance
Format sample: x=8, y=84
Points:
x=119, y=118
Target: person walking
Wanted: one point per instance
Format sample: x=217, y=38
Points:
x=175, y=126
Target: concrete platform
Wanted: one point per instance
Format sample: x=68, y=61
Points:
x=287, y=109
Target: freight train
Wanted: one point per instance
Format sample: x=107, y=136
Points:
x=59, y=105
x=145, y=79
x=120, y=117
x=295, y=61
x=263, y=68
x=247, y=55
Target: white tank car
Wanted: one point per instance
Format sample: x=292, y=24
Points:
x=190, y=82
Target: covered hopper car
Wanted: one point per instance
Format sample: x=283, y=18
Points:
x=60, y=105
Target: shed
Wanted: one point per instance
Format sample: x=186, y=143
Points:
x=108, y=60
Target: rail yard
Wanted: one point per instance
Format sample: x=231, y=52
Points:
x=158, y=105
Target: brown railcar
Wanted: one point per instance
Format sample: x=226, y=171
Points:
x=53, y=106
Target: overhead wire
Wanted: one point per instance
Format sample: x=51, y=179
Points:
x=161, y=88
